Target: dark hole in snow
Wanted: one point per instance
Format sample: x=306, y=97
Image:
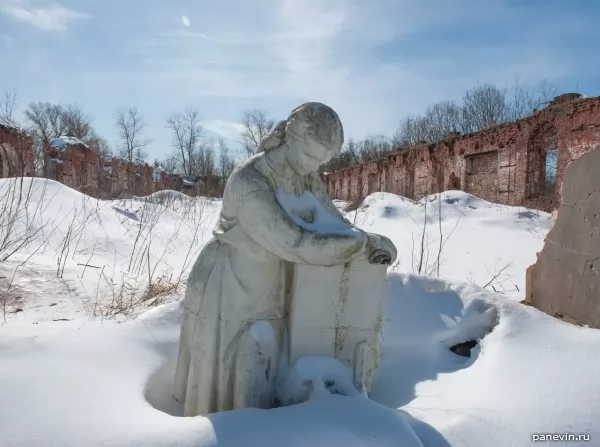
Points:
x=464, y=349
x=450, y=200
x=390, y=211
x=329, y=383
x=53, y=304
x=17, y=310
x=526, y=214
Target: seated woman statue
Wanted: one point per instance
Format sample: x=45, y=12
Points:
x=235, y=303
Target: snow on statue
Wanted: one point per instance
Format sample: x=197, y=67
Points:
x=276, y=216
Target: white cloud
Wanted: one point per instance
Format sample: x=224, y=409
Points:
x=51, y=17
x=229, y=130
x=186, y=21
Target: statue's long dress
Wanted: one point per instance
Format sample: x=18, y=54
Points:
x=234, y=309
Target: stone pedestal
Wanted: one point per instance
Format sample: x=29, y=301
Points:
x=336, y=311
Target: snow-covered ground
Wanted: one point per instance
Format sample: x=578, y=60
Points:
x=69, y=376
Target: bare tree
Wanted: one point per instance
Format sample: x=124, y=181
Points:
x=8, y=108
x=47, y=120
x=441, y=119
x=130, y=125
x=226, y=162
x=204, y=160
x=77, y=123
x=411, y=131
x=256, y=126
x=484, y=107
x=546, y=92
x=373, y=147
x=187, y=135
x=520, y=100
x=170, y=164
x=99, y=144
x=349, y=155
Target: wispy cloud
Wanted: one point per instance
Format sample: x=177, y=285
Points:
x=373, y=62
x=228, y=130
x=49, y=17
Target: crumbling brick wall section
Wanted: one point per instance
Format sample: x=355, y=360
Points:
x=16, y=153
x=565, y=280
x=517, y=163
x=80, y=167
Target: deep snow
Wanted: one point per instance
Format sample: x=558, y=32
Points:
x=87, y=382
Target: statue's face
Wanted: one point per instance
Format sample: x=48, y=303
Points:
x=306, y=154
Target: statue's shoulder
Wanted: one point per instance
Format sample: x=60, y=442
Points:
x=247, y=175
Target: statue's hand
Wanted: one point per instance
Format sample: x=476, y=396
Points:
x=380, y=250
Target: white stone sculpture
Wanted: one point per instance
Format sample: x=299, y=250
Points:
x=276, y=214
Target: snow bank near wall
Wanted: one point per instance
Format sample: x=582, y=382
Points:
x=479, y=239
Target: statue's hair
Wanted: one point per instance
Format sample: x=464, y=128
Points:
x=320, y=121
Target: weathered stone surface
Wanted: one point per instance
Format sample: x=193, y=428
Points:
x=276, y=218
x=505, y=164
x=565, y=281
x=336, y=312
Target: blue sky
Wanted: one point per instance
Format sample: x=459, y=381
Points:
x=373, y=61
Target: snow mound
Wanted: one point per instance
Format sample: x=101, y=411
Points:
x=477, y=241
x=65, y=140
x=529, y=373
x=165, y=195
x=110, y=251
x=314, y=377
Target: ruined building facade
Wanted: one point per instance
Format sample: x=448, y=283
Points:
x=517, y=163
x=82, y=168
x=69, y=161
x=16, y=153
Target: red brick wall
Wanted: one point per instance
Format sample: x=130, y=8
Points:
x=505, y=164
x=81, y=168
x=16, y=153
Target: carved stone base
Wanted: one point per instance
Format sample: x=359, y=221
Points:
x=336, y=312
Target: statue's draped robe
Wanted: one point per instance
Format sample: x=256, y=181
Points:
x=234, y=307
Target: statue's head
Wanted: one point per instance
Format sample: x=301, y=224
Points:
x=311, y=135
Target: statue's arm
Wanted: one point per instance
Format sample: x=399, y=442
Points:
x=265, y=221
x=376, y=241
x=318, y=189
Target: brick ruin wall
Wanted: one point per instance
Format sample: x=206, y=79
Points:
x=506, y=164
x=81, y=168
x=16, y=154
